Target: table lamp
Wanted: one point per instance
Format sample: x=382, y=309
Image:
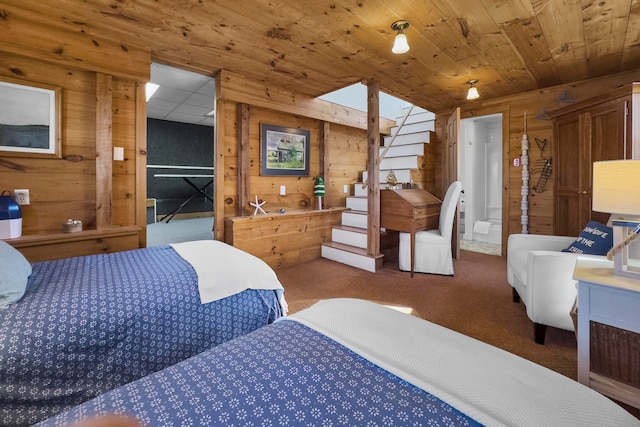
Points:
x=616, y=190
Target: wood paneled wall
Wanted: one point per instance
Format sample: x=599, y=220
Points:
x=340, y=157
x=100, y=83
x=513, y=108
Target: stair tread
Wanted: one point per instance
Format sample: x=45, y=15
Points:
x=352, y=249
x=355, y=212
x=349, y=228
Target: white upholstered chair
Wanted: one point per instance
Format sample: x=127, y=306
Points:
x=542, y=278
x=433, y=247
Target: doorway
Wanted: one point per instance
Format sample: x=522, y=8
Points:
x=180, y=153
x=480, y=171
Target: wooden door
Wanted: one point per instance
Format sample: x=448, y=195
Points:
x=451, y=175
x=581, y=138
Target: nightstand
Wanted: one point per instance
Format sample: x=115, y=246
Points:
x=608, y=331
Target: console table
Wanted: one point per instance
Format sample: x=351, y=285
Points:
x=45, y=247
x=609, y=303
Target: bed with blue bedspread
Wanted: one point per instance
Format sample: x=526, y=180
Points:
x=353, y=363
x=89, y=324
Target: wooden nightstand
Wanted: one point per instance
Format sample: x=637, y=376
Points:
x=608, y=331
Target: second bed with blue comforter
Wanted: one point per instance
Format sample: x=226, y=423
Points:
x=349, y=362
x=89, y=324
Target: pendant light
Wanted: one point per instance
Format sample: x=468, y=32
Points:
x=400, y=45
x=473, y=91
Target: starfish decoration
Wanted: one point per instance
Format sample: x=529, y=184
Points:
x=258, y=205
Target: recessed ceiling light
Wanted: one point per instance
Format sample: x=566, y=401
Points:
x=150, y=89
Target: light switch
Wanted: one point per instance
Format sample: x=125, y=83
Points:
x=283, y=190
x=346, y=188
x=118, y=153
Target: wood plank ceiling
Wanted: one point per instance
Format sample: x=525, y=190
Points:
x=315, y=47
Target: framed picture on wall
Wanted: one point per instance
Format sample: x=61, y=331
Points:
x=29, y=119
x=284, y=151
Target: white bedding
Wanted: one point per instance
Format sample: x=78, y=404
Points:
x=224, y=270
x=488, y=384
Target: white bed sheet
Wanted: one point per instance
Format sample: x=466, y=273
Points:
x=224, y=270
x=490, y=385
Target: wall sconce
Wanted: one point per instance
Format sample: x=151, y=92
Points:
x=473, y=91
x=400, y=45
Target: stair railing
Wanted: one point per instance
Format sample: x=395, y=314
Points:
x=386, y=148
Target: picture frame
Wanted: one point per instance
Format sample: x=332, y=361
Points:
x=284, y=151
x=29, y=119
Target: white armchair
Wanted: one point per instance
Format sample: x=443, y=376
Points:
x=542, y=276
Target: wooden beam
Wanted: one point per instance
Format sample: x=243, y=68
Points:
x=218, y=165
x=104, y=149
x=325, y=129
x=373, y=172
x=244, y=159
x=141, y=162
x=238, y=88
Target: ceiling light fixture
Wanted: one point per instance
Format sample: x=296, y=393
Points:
x=473, y=91
x=150, y=89
x=400, y=45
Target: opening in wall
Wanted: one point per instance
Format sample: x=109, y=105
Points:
x=180, y=153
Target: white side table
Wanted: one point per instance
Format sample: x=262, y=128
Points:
x=610, y=300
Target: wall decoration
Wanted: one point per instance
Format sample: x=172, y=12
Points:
x=285, y=151
x=29, y=119
x=258, y=205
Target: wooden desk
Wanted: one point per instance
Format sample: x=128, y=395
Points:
x=409, y=210
x=608, y=302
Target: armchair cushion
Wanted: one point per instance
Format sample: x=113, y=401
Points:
x=595, y=239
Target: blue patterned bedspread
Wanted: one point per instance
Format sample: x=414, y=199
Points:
x=282, y=374
x=89, y=324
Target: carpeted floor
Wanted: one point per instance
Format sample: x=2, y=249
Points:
x=179, y=230
x=476, y=302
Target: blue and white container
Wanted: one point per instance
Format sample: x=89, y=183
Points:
x=10, y=217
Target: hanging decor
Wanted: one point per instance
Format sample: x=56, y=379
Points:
x=543, y=165
x=318, y=191
x=524, y=205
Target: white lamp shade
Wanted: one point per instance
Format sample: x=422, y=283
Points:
x=616, y=187
x=400, y=45
x=473, y=93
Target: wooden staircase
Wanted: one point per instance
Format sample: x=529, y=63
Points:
x=405, y=158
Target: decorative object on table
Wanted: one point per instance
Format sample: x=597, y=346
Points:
x=281, y=210
x=391, y=179
x=284, y=151
x=258, y=206
x=10, y=217
x=616, y=190
x=318, y=190
x=72, y=226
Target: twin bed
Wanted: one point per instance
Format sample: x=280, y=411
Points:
x=238, y=361
x=353, y=362
x=89, y=324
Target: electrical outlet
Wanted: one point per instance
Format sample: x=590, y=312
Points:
x=21, y=196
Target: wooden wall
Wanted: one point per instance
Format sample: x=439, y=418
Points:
x=338, y=147
x=84, y=183
x=534, y=103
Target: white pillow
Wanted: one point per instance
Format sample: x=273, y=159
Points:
x=15, y=271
